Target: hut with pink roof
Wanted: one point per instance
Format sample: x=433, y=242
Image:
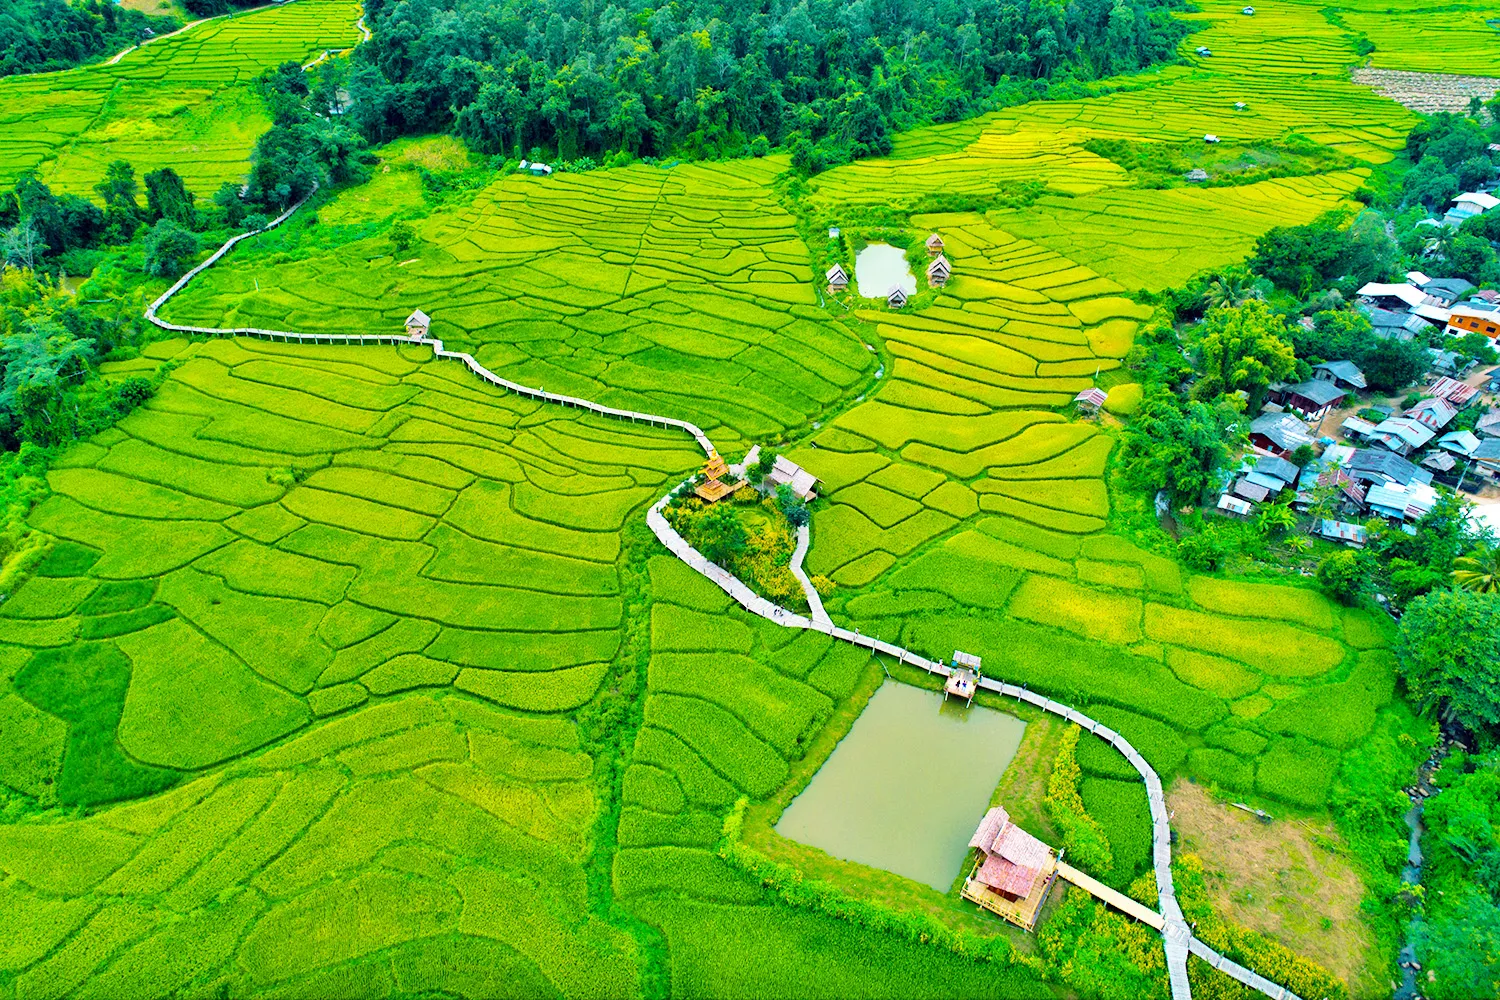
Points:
x=1013, y=872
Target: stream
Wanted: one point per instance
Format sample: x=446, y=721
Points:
x=1411, y=874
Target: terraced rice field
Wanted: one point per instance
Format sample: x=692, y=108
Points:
x=1462, y=39
x=180, y=102
x=680, y=292
x=369, y=681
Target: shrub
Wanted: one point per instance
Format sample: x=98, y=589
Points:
x=1083, y=838
x=168, y=248
x=1342, y=575
x=402, y=236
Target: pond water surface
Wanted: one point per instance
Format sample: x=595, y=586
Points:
x=881, y=267
x=908, y=785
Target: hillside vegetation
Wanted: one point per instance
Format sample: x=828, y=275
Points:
x=834, y=79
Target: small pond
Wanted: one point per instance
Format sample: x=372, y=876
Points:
x=908, y=785
x=881, y=267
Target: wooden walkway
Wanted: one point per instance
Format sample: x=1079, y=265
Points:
x=1177, y=940
x=1111, y=897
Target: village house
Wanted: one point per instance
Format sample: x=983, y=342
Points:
x=1460, y=443
x=1474, y=317
x=896, y=298
x=418, y=323
x=938, y=272
x=1445, y=291
x=1013, y=872
x=934, y=245
x=1389, y=325
x=1278, y=469
x=1402, y=435
x=1279, y=433
x=1232, y=504
x=1353, y=535
x=1196, y=175
x=1402, y=503
x=1398, y=298
x=1246, y=490
x=1449, y=362
x=1381, y=468
x=1466, y=206
x=1434, y=414
x=1267, y=477
x=838, y=280
x=1439, y=462
x=1489, y=424
x=1313, y=399
x=1357, y=428
x=1345, y=374
x=1487, y=455
x=1453, y=392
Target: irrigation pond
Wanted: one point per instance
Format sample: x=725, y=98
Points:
x=905, y=789
x=881, y=267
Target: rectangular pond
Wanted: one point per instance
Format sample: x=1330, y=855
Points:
x=908, y=785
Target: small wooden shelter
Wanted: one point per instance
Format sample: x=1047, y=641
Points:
x=934, y=244
x=963, y=681
x=1089, y=400
x=838, y=280
x=1013, y=872
x=785, y=472
x=418, y=323
x=939, y=271
x=896, y=299
x=717, y=483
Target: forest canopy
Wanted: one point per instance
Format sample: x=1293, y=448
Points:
x=829, y=79
x=42, y=35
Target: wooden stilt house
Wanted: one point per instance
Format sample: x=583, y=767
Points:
x=938, y=272
x=838, y=280
x=1013, y=872
x=418, y=323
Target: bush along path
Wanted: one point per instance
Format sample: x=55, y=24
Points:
x=1177, y=937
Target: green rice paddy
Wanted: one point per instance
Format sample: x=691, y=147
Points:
x=182, y=102
x=347, y=675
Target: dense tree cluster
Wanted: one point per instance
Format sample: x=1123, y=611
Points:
x=829, y=79
x=43, y=231
x=41, y=35
x=1459, y=933
x=1451, y=153
x=1331, y=252
x=50, y=343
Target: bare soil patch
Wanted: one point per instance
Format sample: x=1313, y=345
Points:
x=1428, y=92
x=1287, y=879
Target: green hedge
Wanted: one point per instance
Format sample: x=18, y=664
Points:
x=1086, y=843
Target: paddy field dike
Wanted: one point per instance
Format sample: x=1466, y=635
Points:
x=347, y=674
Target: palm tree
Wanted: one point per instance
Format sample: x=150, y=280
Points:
x=1231, y=288
x=1276, y=518
x=1479, y=572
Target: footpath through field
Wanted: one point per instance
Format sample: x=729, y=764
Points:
x=1177, y=938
